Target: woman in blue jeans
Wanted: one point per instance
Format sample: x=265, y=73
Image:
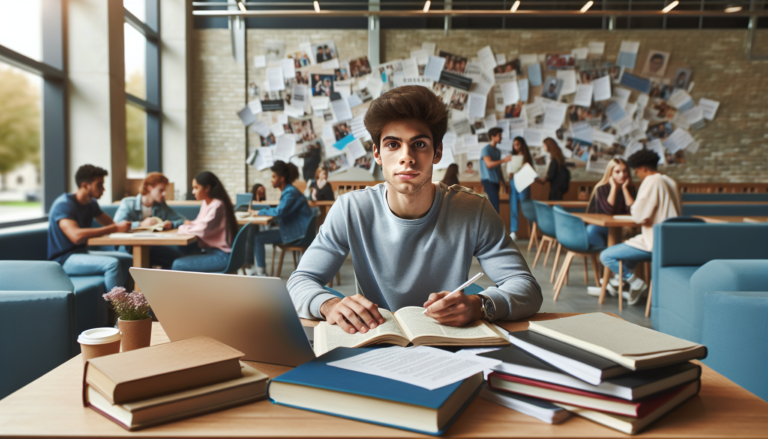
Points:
x=519, y=147
x=612, y=195
x=292, y=214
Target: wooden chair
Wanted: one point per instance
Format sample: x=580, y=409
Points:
x=572, y=235
x=647, y=276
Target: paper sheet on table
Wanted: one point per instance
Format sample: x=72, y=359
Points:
x=421, y=366
x=602, y=88
x=275, y=79
x=522, y=85
x=583, y=95
x=709, y=107
x=476, y=105
x=486, y=57
x=434, y=67
x=569, y=81
x=524, y=177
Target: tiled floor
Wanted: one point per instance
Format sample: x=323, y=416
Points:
x=573, y=297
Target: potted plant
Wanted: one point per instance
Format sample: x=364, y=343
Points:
x=134, y=320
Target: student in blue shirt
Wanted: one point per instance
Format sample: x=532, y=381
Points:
x=142, y=210
x=293, y=214
x=490, y=171
x=69, y=228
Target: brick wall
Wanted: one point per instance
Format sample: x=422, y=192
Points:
x=733, y=146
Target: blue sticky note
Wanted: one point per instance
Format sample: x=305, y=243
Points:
x=627, y=59
x=635, y=82
x=614, y=112
x=534, y=74
x=344, y=142
x=522, y=86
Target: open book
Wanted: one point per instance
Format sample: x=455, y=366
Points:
x=156, y=227
x=406, y=326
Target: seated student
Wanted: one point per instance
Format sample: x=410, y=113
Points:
x=412, y=241
x=320, y=188
x=69, y=227
x=612, y=195
x=558, y=175
x=142, y=210
x=215, y=228
x=657, y=199
x=293, y=214
x=258, y=194
x=451, y=175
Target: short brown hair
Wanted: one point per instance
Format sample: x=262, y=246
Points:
x=409, y=102
x=151, y=180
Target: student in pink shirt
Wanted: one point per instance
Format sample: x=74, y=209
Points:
x=215, y=228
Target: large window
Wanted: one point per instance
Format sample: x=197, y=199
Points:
x=142, y=87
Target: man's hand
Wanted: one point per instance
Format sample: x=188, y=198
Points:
x=352, y=314
x=148, y=222
x=167, y=225
x=456, y=310
x=123, y=226
x=506, y=159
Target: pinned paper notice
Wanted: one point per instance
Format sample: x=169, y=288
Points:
x=486, y=58
x=275, y=79
x=410, y=67
x=511, y=92
x=596, y=48
x=569, y=81
x=255, y=106
x=259, y=61
x=534, y=74
x=501, y=59
x=429, y=47
x=628, y=54
x=434, y=67
x=522, y=85
x=709, y=107
x=476, y=105
x=602, y=88
x=289, y=68
x=583, y=95
x=580, y=53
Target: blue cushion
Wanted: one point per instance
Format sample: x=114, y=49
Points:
x=725, y=197
x=24, y=243
x=33, y=276
x=735, y=331
x=696, y=244
x=725, y=209
x=672, y=308
x=92, y=311
x=187, y=211
x=36, y=333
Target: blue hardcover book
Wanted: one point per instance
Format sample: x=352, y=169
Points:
x=321, y=388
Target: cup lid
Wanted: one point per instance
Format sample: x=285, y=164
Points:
x=99, y=336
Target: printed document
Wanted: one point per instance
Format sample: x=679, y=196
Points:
x=420, y=366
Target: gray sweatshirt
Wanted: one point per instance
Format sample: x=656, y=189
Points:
x=400, y=262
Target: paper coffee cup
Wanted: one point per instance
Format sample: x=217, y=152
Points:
x=98, y=342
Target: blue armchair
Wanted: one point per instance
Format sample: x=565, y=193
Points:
x=37, y=321
x=681, y=275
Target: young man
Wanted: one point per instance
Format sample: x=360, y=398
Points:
x=69, y=228
x=657, y=199
x=412, y=241
x=490, y=171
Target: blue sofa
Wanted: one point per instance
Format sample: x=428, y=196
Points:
x=726, y=197
x=725, y=209
x=680, y=251
x=37, y=321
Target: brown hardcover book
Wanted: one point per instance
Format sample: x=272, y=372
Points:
x=162, y=369
x=252, y=386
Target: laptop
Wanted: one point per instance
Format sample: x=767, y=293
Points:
x=254, y=315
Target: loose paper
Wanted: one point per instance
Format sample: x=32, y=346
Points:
x=410, y=67
x=421, y=366
x=554, y=115
x=289, y=68
x=596, y=48
x=476, y=105
x=534, y=74
x=356, y=149
x=569, y=81
x=277, y=129
x=583, y=95
x=501, y=59
x=255, y=106
x=264, y=158
x=486, y=58
x=421, y=55
x=602, y=88
x=580, y=53
x=522, y=85
x=524, y=177
x=628, y=54
x=259, y=61
x=709, y=107
x=341, y=110
x=275, y=79
x=286, y=147
x=434, y=67
x=511, y=93
x=261, y=128
x=429, y=48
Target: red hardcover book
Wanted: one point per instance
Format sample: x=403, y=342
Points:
x=574, y=397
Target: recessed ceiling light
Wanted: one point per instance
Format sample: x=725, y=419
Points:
x=515, y=6
x=732, y=9
x=586, y=7
x=670, y=6
x=426, y=6
x=317, y=6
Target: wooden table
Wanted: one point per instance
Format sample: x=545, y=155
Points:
x=561, y=203
x=142, y=242
x=262, y=220
x=52, y=406
x=732, y=219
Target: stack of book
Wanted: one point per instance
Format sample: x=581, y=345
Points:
x=599, y=367
x=168, y=382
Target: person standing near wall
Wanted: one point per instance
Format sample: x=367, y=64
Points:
x=519, y=147
x=490, y=171
x=558, y=176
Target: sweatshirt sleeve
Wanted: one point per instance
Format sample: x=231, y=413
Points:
x=289, y=202
x=646, y=202
x=320, y=263
x=204, y=222
x=517, y=294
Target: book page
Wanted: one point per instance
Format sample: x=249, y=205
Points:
x=157, y=227
x=416, y=324
x=329, y=337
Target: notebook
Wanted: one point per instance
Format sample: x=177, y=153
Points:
x=630, y=387
x=537, y=408
x=406, y=326
x=318, y=387
x=629, y=345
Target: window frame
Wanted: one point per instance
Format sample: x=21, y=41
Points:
x=54, y=139
x=152, y=105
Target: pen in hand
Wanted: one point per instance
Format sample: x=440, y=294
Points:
x=464, y=285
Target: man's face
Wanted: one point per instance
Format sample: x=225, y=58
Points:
x=406, y=154
x=656, y=64
x=552, y=88
x=95, y=188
